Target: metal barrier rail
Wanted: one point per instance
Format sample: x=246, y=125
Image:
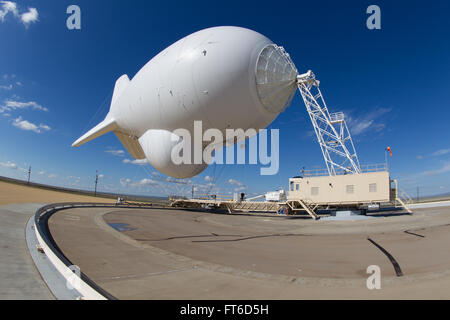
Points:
x=218, y=197
x=365, y=168
x=41, y=218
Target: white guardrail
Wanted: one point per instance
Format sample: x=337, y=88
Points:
x=86, y=287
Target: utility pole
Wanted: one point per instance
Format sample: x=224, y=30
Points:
x=417, y=193
x=29, y=175
x=192, y=192
x=96, y=181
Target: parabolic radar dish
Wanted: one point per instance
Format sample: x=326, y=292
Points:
x=226, y=77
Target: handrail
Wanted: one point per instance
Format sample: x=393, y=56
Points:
x=377, y=167
x=41, y=218
x=218, y=197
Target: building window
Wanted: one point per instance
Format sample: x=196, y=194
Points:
x=373, y=187
x=297, y=187
x=350, y=189
x=291, y=187
x=314, y=191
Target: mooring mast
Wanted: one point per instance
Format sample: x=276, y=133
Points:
x=331, y=129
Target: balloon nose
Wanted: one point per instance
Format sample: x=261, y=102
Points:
x=276, y=78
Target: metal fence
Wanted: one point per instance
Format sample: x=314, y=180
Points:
x=377, y=167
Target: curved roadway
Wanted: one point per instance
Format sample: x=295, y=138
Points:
x=178, y=254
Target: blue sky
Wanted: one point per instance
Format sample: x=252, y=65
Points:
x=393, y=84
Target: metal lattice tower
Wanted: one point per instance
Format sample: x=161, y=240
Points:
x=331, y=129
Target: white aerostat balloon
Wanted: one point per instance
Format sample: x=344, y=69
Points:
x=226, y=77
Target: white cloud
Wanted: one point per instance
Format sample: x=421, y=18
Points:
x=25, y=125
x=179, y=181
x=235, y=182
x=125, y=182
x=110, y=187
x=41, y=173
x=75, y=183
x=29, y=17
x=8, y=87
x=44, y=127
x=148, y=182
x=140, y=162
x=10, y=105
x=101, y=176
x=118, y=153
x=445, y=168
x=52, y=175
x=142, y=183
x=28, y=126
x=9, y=165
x=239, y=185
x=367, y=122
x=8, y=76
x=6, y=7
x=208, y=178
x=437, y=153
x=440, y=152
x=361, y=126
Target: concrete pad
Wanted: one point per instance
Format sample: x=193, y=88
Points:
x=349, y=217
x=176, y=254
x=19, y=278
x=429, y=205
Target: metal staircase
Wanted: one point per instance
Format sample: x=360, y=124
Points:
x=404, y=196
x=300, y=205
